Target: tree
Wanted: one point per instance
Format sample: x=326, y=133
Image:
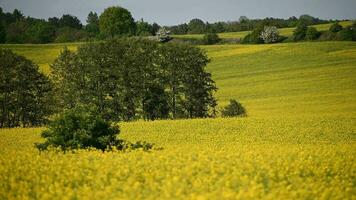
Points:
x=92, y=26
x=300, y=32
x=70, y=21
x=83, y=128
x=312, y=34
x=25, y=93
x=155, y=28
x=270, y=34
x=143, y=28
x=16, y=32
x=40, y=32
x=116, y=21
x=2, y=33
x=190, y=87
x=130, y=78
x=17, y=15
x=254, y=37
x=211, y=38
x=196, y=26
x=163, y=35
x=347, y=34
x=335, y=27
x=234, y=109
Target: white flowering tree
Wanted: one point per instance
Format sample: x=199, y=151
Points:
x=270, y=34
x=163, y=35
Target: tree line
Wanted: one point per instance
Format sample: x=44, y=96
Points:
x=118, y=21
x=198, y=26
x=267, y=33
x=114, y=21
x=122, y=79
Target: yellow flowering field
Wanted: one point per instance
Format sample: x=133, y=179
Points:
x=298, y=141
x=247, y=158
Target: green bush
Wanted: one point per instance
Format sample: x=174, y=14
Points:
x=300, y=32
x=211, y=38
x=336, y=27
x=312, y=34
x=347, y=34
x=234, y=109
x=327, y=36
x=253, y=37
x=82, y=128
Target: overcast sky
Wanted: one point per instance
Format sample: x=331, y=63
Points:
x=171, y=12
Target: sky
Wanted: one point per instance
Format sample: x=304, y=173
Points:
x=172, y=12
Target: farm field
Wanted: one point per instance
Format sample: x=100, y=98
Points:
x=298, y=142
x=242, y=34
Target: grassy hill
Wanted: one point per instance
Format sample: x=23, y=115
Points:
x=242, y=34
x=299, y=141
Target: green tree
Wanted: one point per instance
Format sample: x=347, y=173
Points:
x=2, y=33
x=40, y=32
x=300, y=32
x=254, y=37
x=234, y=109
x=196, y=26
x=25, y=93
x=70, y=21
x=211, y=38
x=143, y=28
x=92, y=26
x=312, y=34
x=335, y=27
x=116, y=21
x=16, y=32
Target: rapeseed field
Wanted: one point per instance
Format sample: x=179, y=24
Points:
x=298, y=141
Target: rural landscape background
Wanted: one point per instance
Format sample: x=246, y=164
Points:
x=297, y=139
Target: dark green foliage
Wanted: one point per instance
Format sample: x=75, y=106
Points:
x=327, y=36
x=25, y=93
x=312, y=34
x=346, y=34
x=2, y=33
x=82, y=128
x=68, y=34
x=116, y=21
x=196, y=26
x=92, y=27
x=336, y=27
x=70, y=21
x=234, y=109
x=126, y=79
x=155, y=103
x=211, y=38
x=254, y=37
x=143, y=28
x=300, y=32
x=40, y=32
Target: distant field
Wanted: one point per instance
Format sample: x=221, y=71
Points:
x=43, y=54
x=242, y=34
x=298, y=142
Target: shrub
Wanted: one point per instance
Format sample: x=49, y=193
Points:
x=327, y=36
x=81, y=127
x=300, y=32
x=336, y=27
x=270, y=34
x=312, y=34
x=233, y=109
x=254, y=37
x=211, y=38
x=346, y=34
